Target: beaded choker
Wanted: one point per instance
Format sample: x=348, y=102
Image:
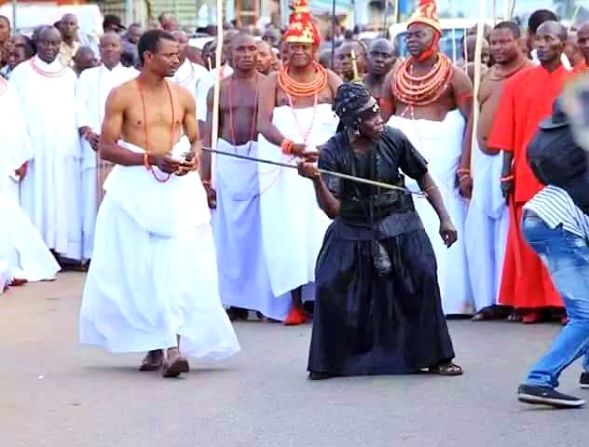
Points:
x=421, y=90
x=303, y=89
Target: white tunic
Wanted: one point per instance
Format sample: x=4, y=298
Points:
x=93, y=88
x=23, y=254
x=188, y=76
x=51, y=193
x=203, y=87
x=244, y=279
x=293, y=225
x=440, y=142
x=486, y=228
x=15, y=145
x=154, y=271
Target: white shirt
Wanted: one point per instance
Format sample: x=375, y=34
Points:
x=92, y=89
x=188, y=76
x=203, y=88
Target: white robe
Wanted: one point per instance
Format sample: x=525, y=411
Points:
x=293, y=225
x=243, y=272
x=93, y=88
x=15, y=145
x=486, y=227
x=22, y=250
x=51, y=192
x=188, y=76
x=441, y=145
x=23, y=254
x=203, y=87
x=154, y=271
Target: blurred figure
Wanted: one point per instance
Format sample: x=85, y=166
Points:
x=18, y=54
x=266, y=58
x=348, y=55
x=536, y=19
x=188, y=74
x=130, y=56
x=84, y=59
x=68, y=27
x=112, y=24
x=5, y=31
x=325, y=59
x=168, y=22
x=469, y=47
x=574, y=54
x=272, y=36
x=94, y=86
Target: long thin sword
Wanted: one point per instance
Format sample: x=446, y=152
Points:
x=322, y=171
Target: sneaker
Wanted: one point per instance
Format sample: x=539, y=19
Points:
x=543, y=395
x=584, y=380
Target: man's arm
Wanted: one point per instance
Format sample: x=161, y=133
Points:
x=191, y=132
x=266, y=104
x=334, y=82
x=205, y=167
x=463, y=98
x=112, y=128
x=387, y=102
x=83, y=108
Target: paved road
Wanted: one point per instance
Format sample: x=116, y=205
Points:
x=56, y=393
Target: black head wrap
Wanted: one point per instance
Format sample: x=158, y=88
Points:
x=351, y=101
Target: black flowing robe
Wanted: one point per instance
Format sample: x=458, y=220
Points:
x=378, y=308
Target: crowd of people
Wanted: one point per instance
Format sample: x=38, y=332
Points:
x=122, y=125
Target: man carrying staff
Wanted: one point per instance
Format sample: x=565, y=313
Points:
x=432, y=105
x=243, y=273
x=488, y=218
x=526, y=100
x=93, y=88
x=350, y=60
x=152, y=285
x=294, y=118
x=381, y=59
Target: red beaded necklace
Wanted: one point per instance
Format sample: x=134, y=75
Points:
x=141, y=92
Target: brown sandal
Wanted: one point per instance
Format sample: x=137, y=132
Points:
x=446, y=369
x=178, y=366
x=151, y=362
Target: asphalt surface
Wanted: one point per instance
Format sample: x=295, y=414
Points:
x=54, y=392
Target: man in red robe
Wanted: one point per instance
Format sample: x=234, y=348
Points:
x=527, y=99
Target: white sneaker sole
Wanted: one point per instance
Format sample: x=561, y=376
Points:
x=585, y=386
x=531, y=399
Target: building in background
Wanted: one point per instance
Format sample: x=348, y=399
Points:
x=372, y=14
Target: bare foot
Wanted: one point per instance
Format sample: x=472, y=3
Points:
x=175, y=364
x=152, y=361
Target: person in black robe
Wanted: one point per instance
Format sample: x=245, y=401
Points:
x=378, y=308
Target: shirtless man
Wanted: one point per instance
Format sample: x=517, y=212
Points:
x=154, y=244
x=488, y=218
x=470, y=50
x=345, y=55
x=381, y=59
x=432, y=104
x=294, y=118
x=243, y=274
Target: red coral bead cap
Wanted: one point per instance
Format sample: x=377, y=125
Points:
x=427, y=13
x=301, y=27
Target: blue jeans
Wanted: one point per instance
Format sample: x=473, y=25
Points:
x=566, y=256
